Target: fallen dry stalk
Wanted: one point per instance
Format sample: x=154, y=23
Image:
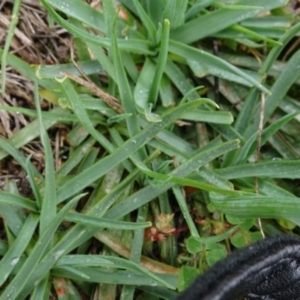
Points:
x=121, y=249
x=108, y=99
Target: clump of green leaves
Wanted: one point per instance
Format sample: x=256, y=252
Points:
x=155, y=119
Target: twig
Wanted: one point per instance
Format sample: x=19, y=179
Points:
x=113, y=102
x=108, y=99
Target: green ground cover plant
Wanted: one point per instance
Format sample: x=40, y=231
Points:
x=177, y=153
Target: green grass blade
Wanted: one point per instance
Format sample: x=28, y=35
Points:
x=48, y=209
x=259, y=206
x=118, y=277
x=19, y=201
x=105, y=223
x=249, y=147
x=42, y=290
x=185, y=211
x=109, y=16
x=9, y=37
x=197, y=7
x=216, y=117
x=78, y=108
x=54, y=71
x=12, y=256
x=124, y=90
x=175, y=11
x=146, y=20
x=214, y=65
x=19, y=157
x=143, y=86
x=28, y=133
x=161, y=62
x=254, y=35
x=274, y=53
x=80, y=11
x=271, y=169
x=288, y=76
x=213, y=22
x=136, y=251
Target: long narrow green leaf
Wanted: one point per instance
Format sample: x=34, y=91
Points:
x=109, y=16
x=9, y=37
x=143, y=86
x=105, y=223
x=185, y=211
x=260, y=206
x=249, y=146
x=25, y=163
x=65, y=117
x=42, y=290
x=76, y=103
x=197, y=7
x=28, y=133
x=79, y=10
x=124, y=90
x=254, y=34
x=213, y=22
x=174, y=12
x=283, y=83
x=272, y=169
x=214, y=65
x=161, y=62
x=274, y=53
x=117, y=277
x=48, y=205
x=146, y=20
x=136, y=251
x=17, y=200
x=54, y=71
x=12, y=256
